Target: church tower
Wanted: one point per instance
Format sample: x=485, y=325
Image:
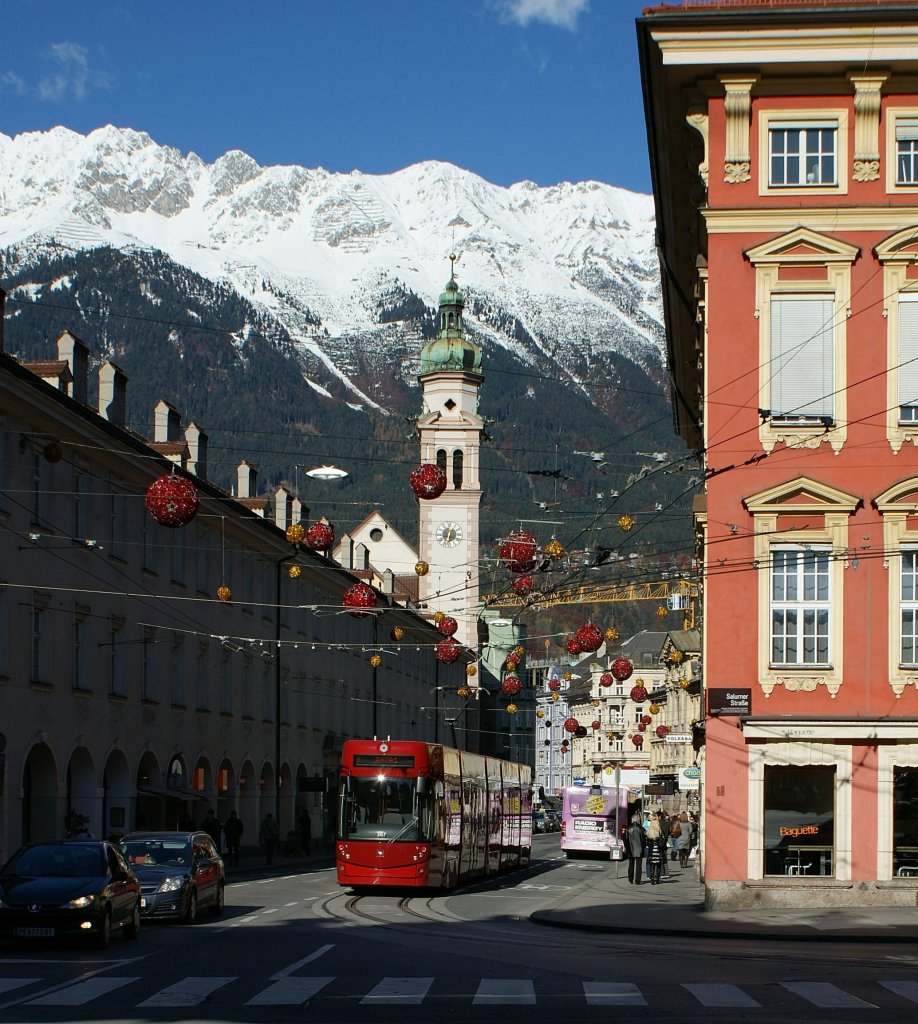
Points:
x=450, y=432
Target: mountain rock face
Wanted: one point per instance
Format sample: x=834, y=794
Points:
x=290, y=303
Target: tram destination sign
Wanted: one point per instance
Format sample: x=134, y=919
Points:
x=729, y=702
x=383, y=760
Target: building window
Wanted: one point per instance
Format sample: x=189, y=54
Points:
x=802, y=366
x=148, y=666
x=800, y=608
x=178, y=556
x=905, y=822
x=226, y=682
x=799, y=820
x=117, y=686
x=908, y=607
x=81, y=641
x=38, y=489
x=117, y=516
x=177, y=686
x=4, y=631
x=802, y=154
x=41, y=641
x=907, y=359
x=148, y=543
x=247, y=702
x=202, y=678
x=907, y=151
x=78, y=506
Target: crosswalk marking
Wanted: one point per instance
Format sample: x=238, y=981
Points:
x=504, y=991
x=825, y=995
x=906, y=989
x=8, y=984
x=405, y=991
x=289, y=992
x=612, y=993
x=720, y=995
x=82, y=992
x=187, y=992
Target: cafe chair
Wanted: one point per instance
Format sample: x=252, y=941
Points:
x=797, y=869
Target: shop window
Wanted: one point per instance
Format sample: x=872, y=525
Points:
x=799, y=820
x=905, y=822
x=800, y=606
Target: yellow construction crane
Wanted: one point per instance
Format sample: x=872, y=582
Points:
x=673, y=595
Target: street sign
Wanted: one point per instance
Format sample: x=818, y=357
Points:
x=679, y=737
x=722, y=701
x=580, y=781
x=690, y=779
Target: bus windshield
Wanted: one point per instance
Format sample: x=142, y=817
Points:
x=384, y=808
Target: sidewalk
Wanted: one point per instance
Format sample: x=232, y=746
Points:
x=607, y=902
x=255, y=864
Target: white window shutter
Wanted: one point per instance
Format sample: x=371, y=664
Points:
x=802, y=368
x=908, y=352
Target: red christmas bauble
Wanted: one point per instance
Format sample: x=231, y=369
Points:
x=320, y=536
x=622, y=668
x=447, y=625
x=642, y=726
x=359, y=596
x=637, y=740
x=522, y=585
x=662, y=730
x=606, y=679
x=573, y=646
x=645, y=719
x=448, y=650
x=518, y=552
x=589, y=637
x=595, y=724
x=554, y=684
x=428, y=481
x=571, y=724
x=511, y=686
x=172, y=500
x=639, y=693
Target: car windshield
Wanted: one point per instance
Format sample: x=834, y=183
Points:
x=156, y=852
x=61, y=861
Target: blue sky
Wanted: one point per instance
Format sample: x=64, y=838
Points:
x=545, y=90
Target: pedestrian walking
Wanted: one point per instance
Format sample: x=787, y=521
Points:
x=656, y=848
x=269, y=836
x=232, y=833
x=212, y=827
x=684, y=839
x=634, y=847
x=663, y=818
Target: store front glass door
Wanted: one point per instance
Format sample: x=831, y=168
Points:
x=799, y=820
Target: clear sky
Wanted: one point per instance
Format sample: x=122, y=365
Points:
x=544, y=90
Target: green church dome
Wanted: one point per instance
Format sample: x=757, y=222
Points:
x=451, y=350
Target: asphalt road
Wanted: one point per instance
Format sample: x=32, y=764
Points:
x=298, y=948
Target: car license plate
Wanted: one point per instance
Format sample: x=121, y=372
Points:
x=143, y=902
x=34, y=933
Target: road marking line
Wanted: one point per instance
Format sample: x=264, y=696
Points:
x=825, y=995
x=286, y=971
x=6, y=984
x=188, y=992
x=81, y=993
x=504, y=991
x=293, y=904
x=612, y=993
x=720, y=995
x=270, y=910
x=403, y=991
x=906, y=989
x=289, y=992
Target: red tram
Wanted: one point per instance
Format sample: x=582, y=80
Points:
x=421, y=814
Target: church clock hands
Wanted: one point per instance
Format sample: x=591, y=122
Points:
x=449, y=534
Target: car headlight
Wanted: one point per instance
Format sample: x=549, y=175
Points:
x=80, y=903
x=172, y=884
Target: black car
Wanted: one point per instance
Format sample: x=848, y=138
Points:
x=180, y=873
x=538, y=822
x=69, y=889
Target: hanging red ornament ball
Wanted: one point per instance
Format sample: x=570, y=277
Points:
x=573, y=646
x=637, y=740
x=172, y=501
x=518, y=552
x=606, y=679
x=642, y=726
x=447, y=625
x=522, y=585
x=554, y=684
x=589, y=637
x=571, y=724
x=645, y=719
x=511, y=686
x=428, y=481
x=448, y=650
x=662, y=730
x=622, y=668
x=359, y=596
x=639, y=693
x=595, y=724
x=320, y=536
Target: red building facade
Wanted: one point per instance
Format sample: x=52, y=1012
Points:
x=784, y=150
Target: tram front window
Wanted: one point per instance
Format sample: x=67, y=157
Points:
x=382, y=808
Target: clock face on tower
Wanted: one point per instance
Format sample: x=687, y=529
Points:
x=449, y=534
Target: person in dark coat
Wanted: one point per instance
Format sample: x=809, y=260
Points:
x=634, y=847
x=212, y=827
x=269, y=834
x=232, y=832
x=656, y=848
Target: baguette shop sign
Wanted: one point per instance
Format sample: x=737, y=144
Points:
x=729, y=702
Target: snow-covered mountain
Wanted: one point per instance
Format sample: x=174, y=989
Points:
x=563, y=275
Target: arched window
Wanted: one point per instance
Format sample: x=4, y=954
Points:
x=457, y=469
x=441, y=459
x=452, y=319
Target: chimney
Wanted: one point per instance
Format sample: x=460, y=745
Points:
x=360, y=558
x=246, y=480
x=196, y=440
x=75, y=353
x=112, y=393
x=345, y=551
x=283, y=508
x=167, y=423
